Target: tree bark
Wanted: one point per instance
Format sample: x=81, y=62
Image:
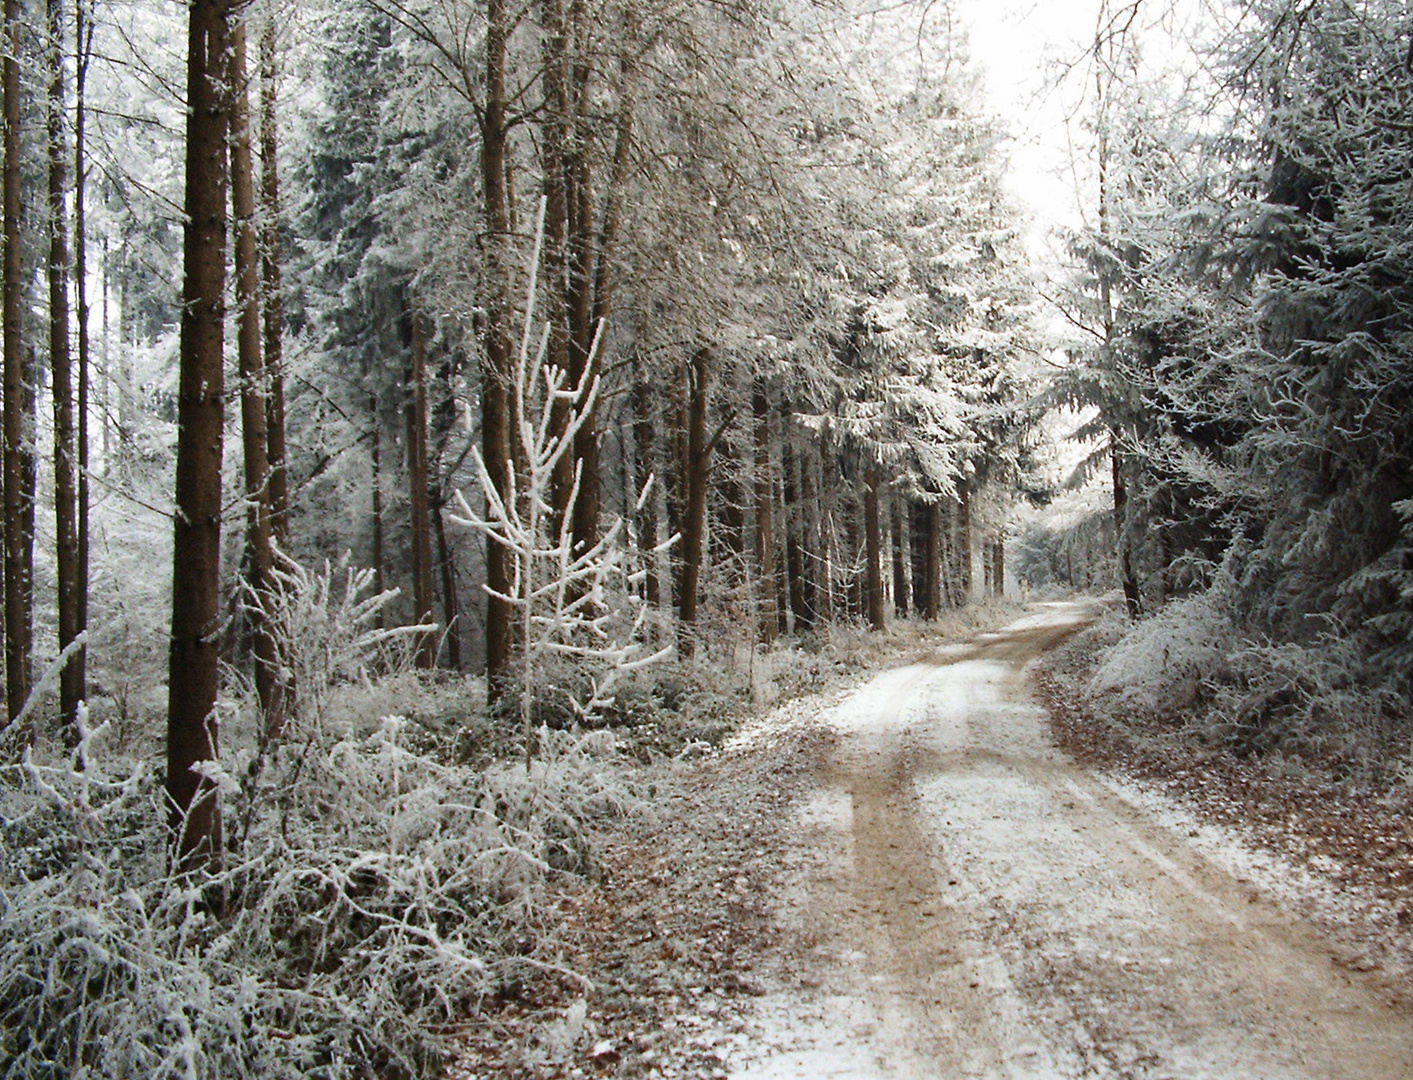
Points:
x=19, y=551
x=555, y=58
x=83, y=47
x=415, y=414
x=767, y=608
x=380, y=584
x=449, y=602
x=1133, y=600
x=873, y=551
x=926, y=543
x=71, y=679
x=272, y=288
x=254, y=419
x=193, y=674
x=816, y=546
x=579, y=201
x=497, y=375
x=794, y=550
x=696, y=473
x=964, y=549
x=901, y=576
x=646, y=447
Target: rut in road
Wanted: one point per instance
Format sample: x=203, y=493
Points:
x=979, y=906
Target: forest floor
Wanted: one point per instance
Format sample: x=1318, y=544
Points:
x=911, y=877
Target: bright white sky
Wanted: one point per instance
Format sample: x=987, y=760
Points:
x=1022, y=46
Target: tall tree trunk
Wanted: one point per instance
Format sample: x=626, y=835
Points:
x=497, y=375
x=1133, y=600
x=83, y=48
x=730, y=515
x=19, y=549
x=61, y=367
x=795, y=570
x=854, y=573
x=696, y=474
x=259, y=552
x=678, y=480
x=596, y=262
x=196, y=563
x=998, y=566
x=272, y=286
x=557, y=186
x=873, y=551
x=767, y=612
x=448, y=576
x=417, y=476
x=816, y=529
x=579, y=202
x=964, y=547
x=901, y=576
x=927, y=529
x=380, y=584
x=645, y=445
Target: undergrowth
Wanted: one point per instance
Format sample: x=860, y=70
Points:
x=1189, y=672
x=371, y=895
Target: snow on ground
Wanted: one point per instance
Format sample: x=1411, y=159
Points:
x=969, y=903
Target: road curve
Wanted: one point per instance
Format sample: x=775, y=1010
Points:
x=970, y=903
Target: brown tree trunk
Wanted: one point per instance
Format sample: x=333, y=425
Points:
x=255, y=445
x=873, y=551
x=415, y=414
x=449, y=602
x=19, y=549
x=678, y=480
x=645, y=445
x=555, y=52
x=380, y=584
x=83, y=45
x=901, y=576
x=272, y=288
x=696, y=474
x=964, y=550
x=730, y=514
x=579, y=302
x=794, y=549
x=767, y=614
x=193, y=673
x=854, y=596
x=998, y=566
x=66, y=538
x=497, y=374
x=927, y=529
x=1133, y=600
x=816, y=541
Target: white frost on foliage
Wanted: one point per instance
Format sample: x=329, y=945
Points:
x=1163, y=662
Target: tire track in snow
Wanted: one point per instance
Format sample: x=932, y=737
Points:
x=980, y=907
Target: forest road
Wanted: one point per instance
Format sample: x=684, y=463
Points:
x=971, y=903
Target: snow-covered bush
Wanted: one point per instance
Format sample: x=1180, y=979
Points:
x=1311, y=700
x=371, y=894
x=1192, y=666
x=1162, y=664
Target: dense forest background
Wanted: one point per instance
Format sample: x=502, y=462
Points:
x=527, y=368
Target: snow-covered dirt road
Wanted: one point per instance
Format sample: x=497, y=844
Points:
x=970, y=903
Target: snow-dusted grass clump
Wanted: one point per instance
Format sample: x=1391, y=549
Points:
x=371, y=894
x=1163, y=664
